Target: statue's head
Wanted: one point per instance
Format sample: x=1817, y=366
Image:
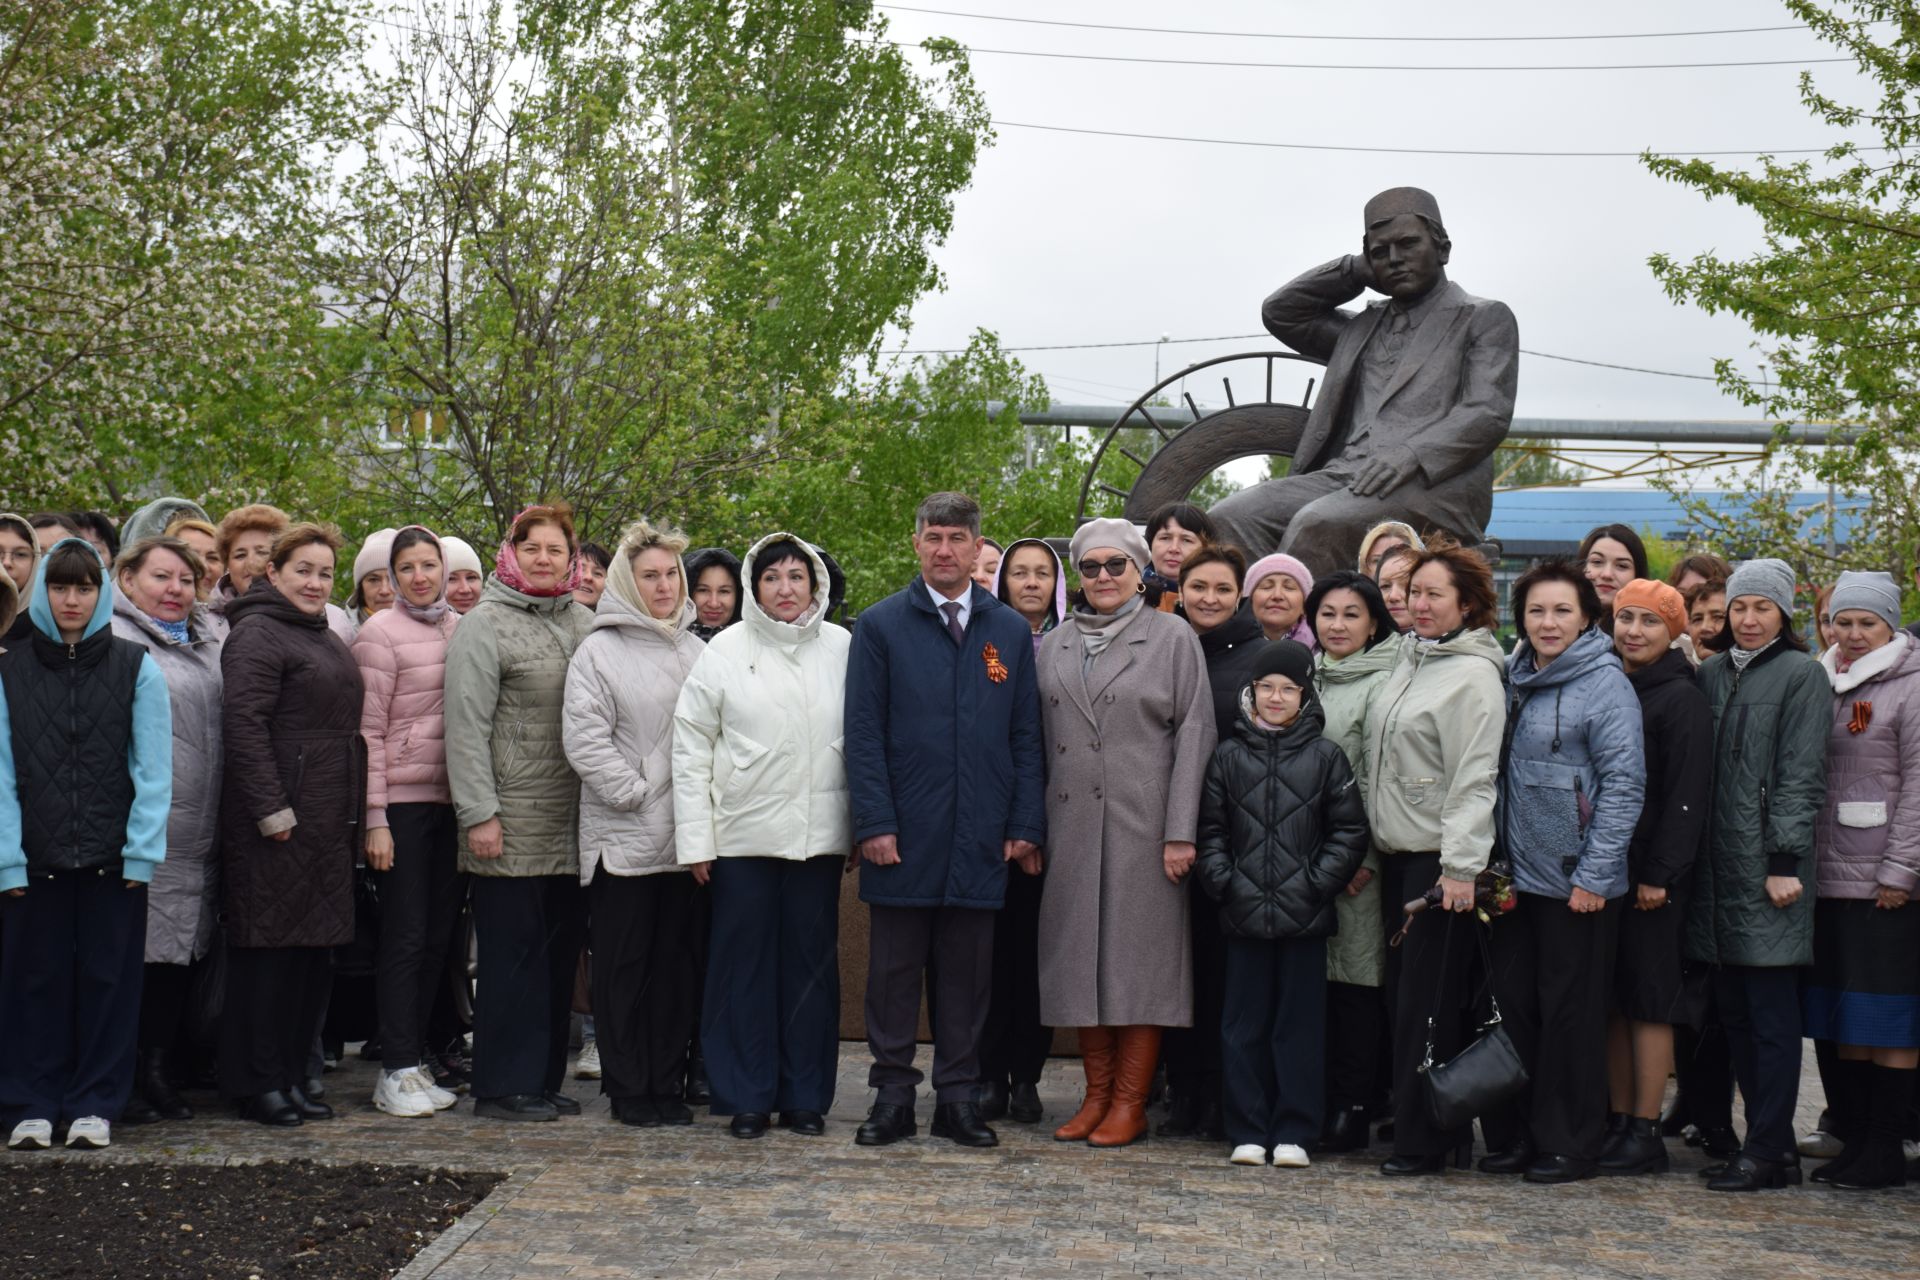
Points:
x=1406, y=242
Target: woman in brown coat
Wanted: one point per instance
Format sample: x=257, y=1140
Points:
x=290, y=810
x=1129, y=723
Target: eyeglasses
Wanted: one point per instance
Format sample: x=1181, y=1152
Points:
x=1091, y=569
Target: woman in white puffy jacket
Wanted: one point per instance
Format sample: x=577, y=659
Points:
x=760, y=798
x=617, y=729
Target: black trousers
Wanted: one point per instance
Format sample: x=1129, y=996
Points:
x=1429, y=974
x=953, y=948
x=275, y=998
x=164, y=991
x=1553, y=975
x=1703, y=1069
x=1356, y=1033
x=419, y=903
x=1273, y=1040
x=1760, y=1008
x=641, y=981
x=530, y=931
x=71, y=948
x=699, y=944
x=1192, y=1054
x=1013, y=1048
x=770, y=1027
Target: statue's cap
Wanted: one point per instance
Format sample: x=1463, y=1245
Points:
x=1391, y=204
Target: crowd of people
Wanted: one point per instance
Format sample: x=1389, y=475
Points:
x=1292, y=840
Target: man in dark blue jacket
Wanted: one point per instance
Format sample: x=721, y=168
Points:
x=948, y=779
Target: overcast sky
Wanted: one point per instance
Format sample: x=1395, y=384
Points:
x=1068, y=238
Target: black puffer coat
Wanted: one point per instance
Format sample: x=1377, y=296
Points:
x=1282, y=829
x=294, y=759
x=1679, y=732
x=1230, y=650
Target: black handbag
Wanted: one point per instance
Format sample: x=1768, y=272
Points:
x=1484, y=1076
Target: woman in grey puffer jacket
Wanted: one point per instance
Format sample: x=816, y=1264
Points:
x=1571, y=784
x=1863, y=992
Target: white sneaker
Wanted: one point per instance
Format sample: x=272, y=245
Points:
x=31, y=1135
x=1288, y=1156
x=442, y=1098
x=89, y=1131
x=1248, y=1153
x=588, y=1067
x=403, y=1093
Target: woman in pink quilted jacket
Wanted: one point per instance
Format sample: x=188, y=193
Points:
x=412, y=840
x=1863, y=992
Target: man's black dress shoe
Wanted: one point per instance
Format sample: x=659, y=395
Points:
x=1551, y=1170
x=991, y=1099
x=961, y=1122
x=515, y=1106
x=1514, y=1159
x=309, y=1109
x=1750, y=1173
x=1413, y=1166
x=638, y=1112
x=808, y=1124
x=273, y=1108
x=562, y=1103
x=1023, y=1104
x=673, y=1111
x=885, y=1125
x=748, y=1124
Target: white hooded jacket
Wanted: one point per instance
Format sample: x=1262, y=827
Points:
x=759, y=764
x=616, y=726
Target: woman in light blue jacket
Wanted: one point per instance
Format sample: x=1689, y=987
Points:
x=1572, y=779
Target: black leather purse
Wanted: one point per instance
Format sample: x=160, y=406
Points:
x=1482, y=1077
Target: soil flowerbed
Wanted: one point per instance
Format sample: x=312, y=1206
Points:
x=71, y=1218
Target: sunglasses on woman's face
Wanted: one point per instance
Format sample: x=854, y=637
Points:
x=1091, y=569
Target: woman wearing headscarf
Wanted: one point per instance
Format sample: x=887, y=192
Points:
x=373, y=585
x=1431, y=781
x=1863, y=992
x=1230, y=641
x=1123, y=799
x=465, y=575
x=1650, y=995
x=769, y=831
x=83, y=825
x=617, y=729
x=156, y=608
x=1751, y=917
x=1573, y=776
x=19, y=555
x=291, y=801
x=1277, y=587
x=1359, y=647
x=412, y=841
x=517, y=801
x=1013, y=1047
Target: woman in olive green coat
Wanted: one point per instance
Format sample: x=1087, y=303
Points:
x=1358, y=649
x=1751, y=917
x=517, y=802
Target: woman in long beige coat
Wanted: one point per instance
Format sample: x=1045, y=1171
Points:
x=1129, y=724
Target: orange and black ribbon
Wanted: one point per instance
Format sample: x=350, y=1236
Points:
x=996, y=669
x=1862, y=717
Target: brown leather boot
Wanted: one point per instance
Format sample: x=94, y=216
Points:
x=1099, y=1050
x=1127, y=1118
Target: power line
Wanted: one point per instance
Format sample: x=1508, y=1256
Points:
x=1246, y=337
x=1368, y=66
x=1403, y=151
x=1285, y=35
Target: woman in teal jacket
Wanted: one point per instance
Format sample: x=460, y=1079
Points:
x=83, y=823
x=1752, y=913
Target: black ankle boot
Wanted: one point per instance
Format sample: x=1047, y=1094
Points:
x=1848, y=1108
x=1616, y=1130
x=155, y=1083
x=1347, y=1130
x=1881, y=1162
x=1637, y=1149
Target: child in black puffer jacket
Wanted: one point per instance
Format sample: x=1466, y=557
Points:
x=1282, y=832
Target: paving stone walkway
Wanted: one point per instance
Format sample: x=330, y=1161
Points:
x=590, y=1198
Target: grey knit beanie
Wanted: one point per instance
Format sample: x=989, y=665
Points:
x=1771, y=579
x=1109, y=532
x=1877, y=593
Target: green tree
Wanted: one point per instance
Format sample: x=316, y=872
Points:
x=1835, y=294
